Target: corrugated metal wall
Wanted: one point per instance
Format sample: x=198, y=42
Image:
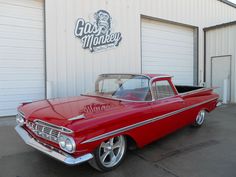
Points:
x=72, y=70
x=221, y=42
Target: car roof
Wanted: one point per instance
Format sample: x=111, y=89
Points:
x=147, y=75
x=157, y=75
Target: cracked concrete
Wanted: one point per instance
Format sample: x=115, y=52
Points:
x=190, y=152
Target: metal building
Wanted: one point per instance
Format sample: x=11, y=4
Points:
x=50, y=49
x=220, y=59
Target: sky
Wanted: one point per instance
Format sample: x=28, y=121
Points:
x=234, y=1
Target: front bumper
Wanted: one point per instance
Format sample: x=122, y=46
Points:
x=219, y=104
x=65, y=158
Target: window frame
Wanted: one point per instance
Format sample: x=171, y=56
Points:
x=110, y=74
x=154, y=95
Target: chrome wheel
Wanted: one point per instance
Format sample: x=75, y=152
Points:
x=109, y=154
x=112, y=151
x=200, y=118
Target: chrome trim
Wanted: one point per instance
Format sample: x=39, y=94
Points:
x=49, y=125
x=21, y=114
x=51, y=134
x=118, y=99
x=46, y=130
x=20, y=118
x=219, y=104
x=72, y=141
x=151, y=88
x=114, y=132
x=82, y=116
x=161, y=76
x=125, y=74
x=149, y=84
x=63, y=157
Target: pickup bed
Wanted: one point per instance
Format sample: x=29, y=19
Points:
x=184, y=89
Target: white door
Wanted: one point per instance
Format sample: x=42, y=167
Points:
x=221, y=73
x=168, y=49
x=21, y=53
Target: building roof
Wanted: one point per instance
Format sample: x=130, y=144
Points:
x=228, y=3
x=219, y=26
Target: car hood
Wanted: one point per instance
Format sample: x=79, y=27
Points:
x=64, y=111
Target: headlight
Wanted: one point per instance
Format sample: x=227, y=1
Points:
x=20, y=120
x=67, y=143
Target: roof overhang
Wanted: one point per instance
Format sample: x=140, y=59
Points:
x=219, y=26
x=228, y=2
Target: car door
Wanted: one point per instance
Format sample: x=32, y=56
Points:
x=166, y=107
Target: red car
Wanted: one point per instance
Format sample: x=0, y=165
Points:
x=125, y=110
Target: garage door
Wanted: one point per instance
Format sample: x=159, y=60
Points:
x=168, y=49
x=21, y=53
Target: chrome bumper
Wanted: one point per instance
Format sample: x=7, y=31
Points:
x=65, y=158
x=219, y=104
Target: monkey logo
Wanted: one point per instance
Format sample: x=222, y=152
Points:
x=103, y=21
x=97, y=35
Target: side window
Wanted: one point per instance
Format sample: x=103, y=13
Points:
x=162, y=89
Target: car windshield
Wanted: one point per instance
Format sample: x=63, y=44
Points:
x=123, y=86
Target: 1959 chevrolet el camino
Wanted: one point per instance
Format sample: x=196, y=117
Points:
x=125, y=110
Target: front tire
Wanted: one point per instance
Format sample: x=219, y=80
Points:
x=109, y=154
x=200, y=119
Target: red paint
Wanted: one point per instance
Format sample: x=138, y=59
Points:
x=104, y=115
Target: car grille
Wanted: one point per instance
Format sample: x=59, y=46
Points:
x=45, y=130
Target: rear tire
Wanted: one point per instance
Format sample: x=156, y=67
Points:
x=199, y=119
x=109, y=154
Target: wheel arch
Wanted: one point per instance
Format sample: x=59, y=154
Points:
x=131, y=142
x=206, y=109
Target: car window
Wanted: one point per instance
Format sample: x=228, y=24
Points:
x=109, y=85
x=136, y=89
x=123, y=86
x=162, y=89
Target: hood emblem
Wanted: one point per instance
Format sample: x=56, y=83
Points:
x=82, y=116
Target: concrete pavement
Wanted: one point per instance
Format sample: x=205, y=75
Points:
x=209, y=151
